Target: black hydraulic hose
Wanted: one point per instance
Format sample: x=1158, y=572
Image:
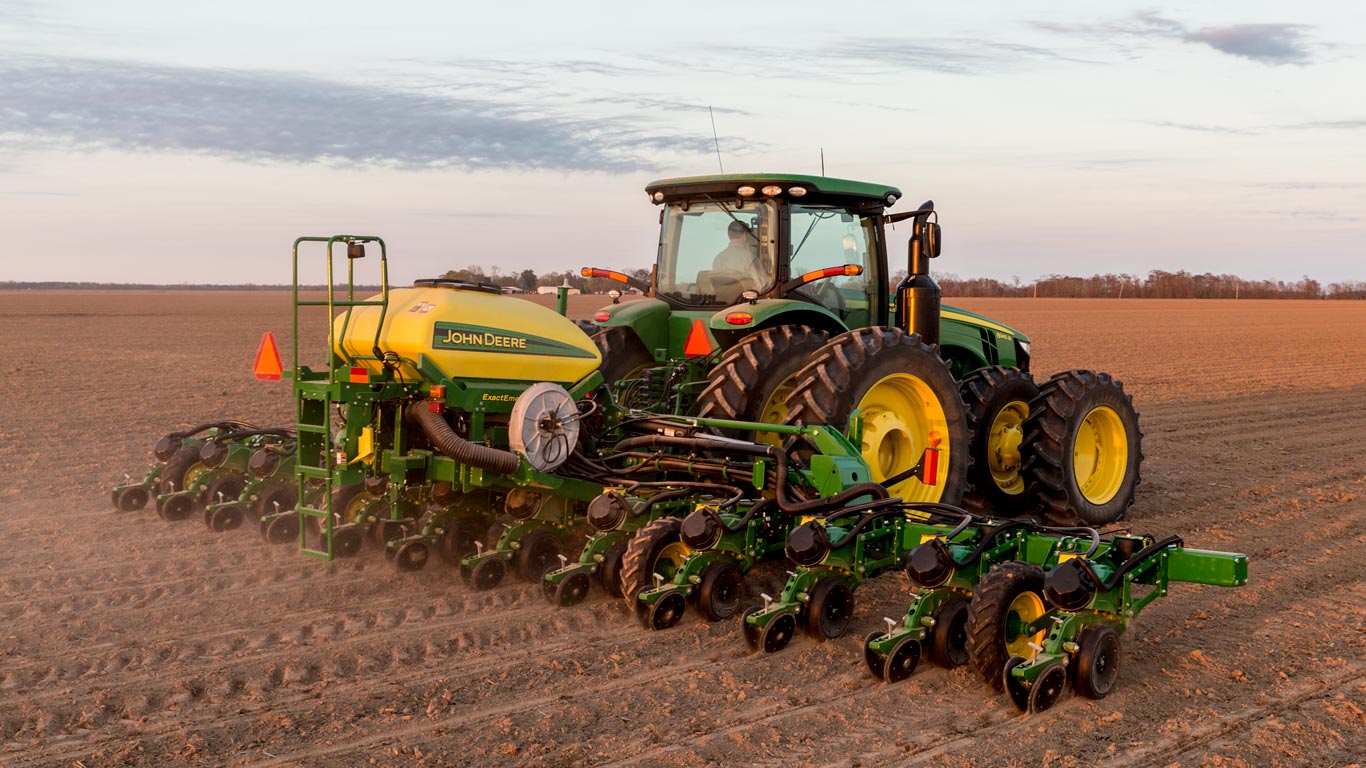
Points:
x=448, y=443
x=230, y=425
x=754, y=509
x=1129, y=564
x=713, y=445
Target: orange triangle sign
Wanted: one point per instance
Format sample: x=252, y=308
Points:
x=697, y=344
x=268, y=359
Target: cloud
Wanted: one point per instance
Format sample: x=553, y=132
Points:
x=269, y=116
x=1273, y=44
x=1205, y=128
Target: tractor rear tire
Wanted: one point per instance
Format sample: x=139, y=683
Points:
x=657, y=541
x=997, y=400
x=754, y=378
x=905, y=392
x=623, y=353
x=1010, y=593
x=1083, y=449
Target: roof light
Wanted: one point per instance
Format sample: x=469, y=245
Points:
x=772, y=190
x=745, y=191
x=739, y=318
x=658, y=197
x=796, y=191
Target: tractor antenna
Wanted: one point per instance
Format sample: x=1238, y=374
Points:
x=822, y=161
x=715, y=139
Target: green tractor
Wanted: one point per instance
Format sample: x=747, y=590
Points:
x=755, y=273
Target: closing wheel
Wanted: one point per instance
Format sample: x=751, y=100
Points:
x=177, y=507
x=902, y=661
x=538, y=551
x=872, y=658
x=571, y=590
x=609, y=571
x=1097, y=662
x=1047, y=688
x=667, y=611
x=908, y=400
x=1005, y=604
x=1083, y=448
x=488, y=573
x=346, y=541
x=830, y=609
x=778, y=633
x=997, y=400
x=719, y=593
x=131, y=499
x=226, y=518
x=949, y=638
x=283, y=529
x=411, y=556
x=751, y=631
x=1014, y=687
x=754, y=378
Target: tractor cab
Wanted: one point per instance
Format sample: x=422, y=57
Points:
x=725, y=240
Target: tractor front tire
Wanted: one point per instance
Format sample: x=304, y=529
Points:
x=623, y=354
x=1083, y=449
x=997, y=400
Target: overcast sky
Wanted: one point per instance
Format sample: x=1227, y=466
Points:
x=191, y=142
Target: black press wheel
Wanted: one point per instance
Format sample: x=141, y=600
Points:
x=609, y=571
x=830, y=609
x=283, y=529
x=571, y=590
x=778, y=633
x=538, y=551
x=1014, y=687
x=226, y=518
x=411, y=556
x=1047, y=688
x=719, y=593
x=346, y=541
x=666, y=611
x=949, y=638
x=458, y=541
x=224, y=488
x=488, y=573
x=751, y=631
x=1097, y=661
x=902, y=661
x=176, y=508
x=131, y=499
x=872, y=658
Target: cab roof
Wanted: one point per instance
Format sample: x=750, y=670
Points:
x=817, y=189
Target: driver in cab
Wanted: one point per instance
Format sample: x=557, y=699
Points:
x=740, y=258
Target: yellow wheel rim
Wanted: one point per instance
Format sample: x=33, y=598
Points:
x=1024, y=610
x=1003, y=447
x=192, y=475
x=1100, y=455
x=671, y=558
x=900, y=413
x=353, y=509
x=775, y=411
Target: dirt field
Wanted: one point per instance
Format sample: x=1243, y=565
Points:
x=125, y=640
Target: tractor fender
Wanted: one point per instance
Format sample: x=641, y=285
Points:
x=649, y=318
x=768, y=313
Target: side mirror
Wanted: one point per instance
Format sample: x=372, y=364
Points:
x=355, y=250
x=930, y=242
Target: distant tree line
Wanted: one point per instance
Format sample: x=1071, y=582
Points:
x=1157, y=285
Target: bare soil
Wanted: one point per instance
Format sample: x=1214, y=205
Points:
x=125, y=640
